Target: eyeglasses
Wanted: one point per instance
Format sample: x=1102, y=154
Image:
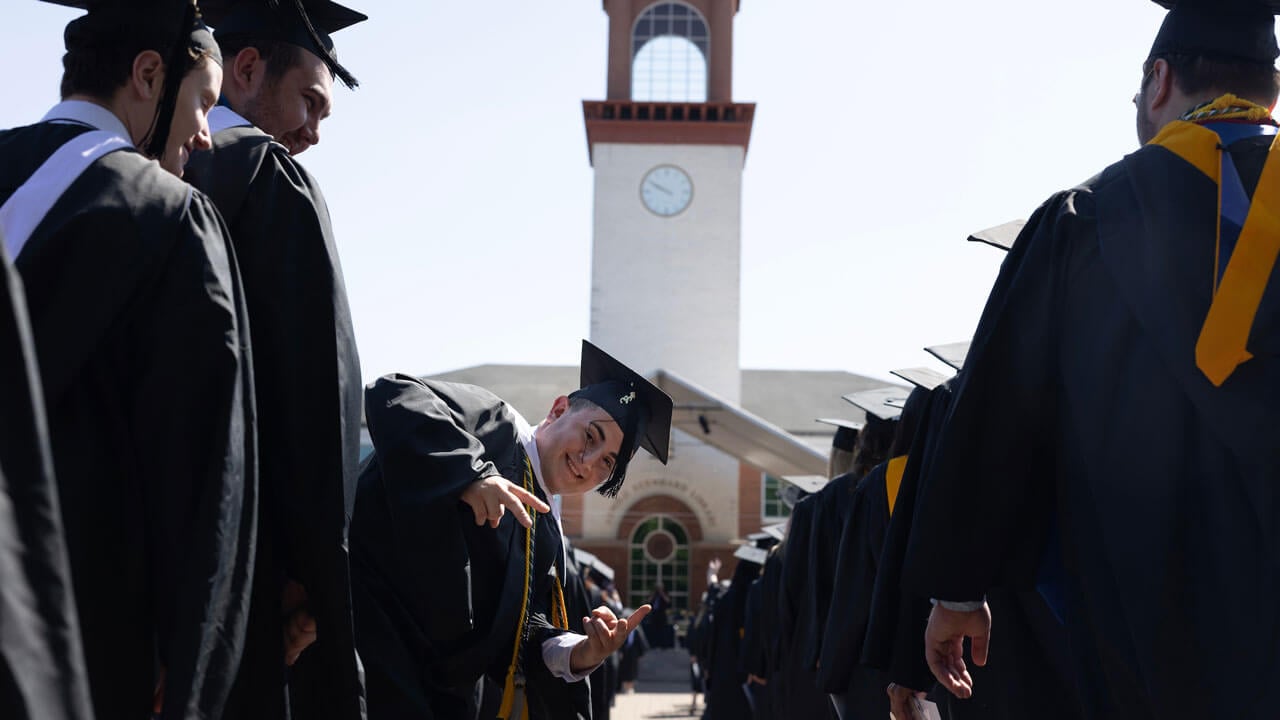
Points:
x=1148, y=69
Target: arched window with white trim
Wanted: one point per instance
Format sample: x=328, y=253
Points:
x=670, y=45
x=659, y=554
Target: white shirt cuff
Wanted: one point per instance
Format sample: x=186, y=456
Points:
x=556, y=652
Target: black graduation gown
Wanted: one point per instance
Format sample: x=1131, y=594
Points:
x=753, y=658
x=437, y=598
x=797, y=684
x=1081, y=414
x=308, y=394
x=839, y=667
x=829, y=520
x=725, y=697
x=1027, y=672
x=894, y=638
x=139, y=328
x=42, y=674
x=770, y=589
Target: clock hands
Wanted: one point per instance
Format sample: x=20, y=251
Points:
x=654, y=184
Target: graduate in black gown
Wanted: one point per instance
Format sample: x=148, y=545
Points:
x=42, y=674
x=895, y=622
x=1029, y=673
x=754, y=658
x=795, y=685
x=856, y=689
x=457, y=570
x=277, y=87
x=699, y=636
x=1112, y=440
x=138, y=321
x=870, y=448
x=727, y=687
x=754, y=662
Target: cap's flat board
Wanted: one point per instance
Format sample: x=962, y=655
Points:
x=952, y=354
x=923, y=377
x=1000, y=236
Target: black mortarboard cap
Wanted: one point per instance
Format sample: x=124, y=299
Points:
x=1000, y=236
x=763, y=540
x=640, y=408
x=884, y=403
x=778, y=530
x=952, y=354
x=808, y=483
x=923, y=377
x=844, y=439
x=752, y=554
x=179, y=22
x=305, y=23
x=842, y=423
x=1226, y=29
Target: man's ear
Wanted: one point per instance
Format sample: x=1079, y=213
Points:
x=558, y=408
x=246, y=71
x=146, y=78
x=1161, y=84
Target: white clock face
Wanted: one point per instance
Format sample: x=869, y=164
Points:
x=666, y=190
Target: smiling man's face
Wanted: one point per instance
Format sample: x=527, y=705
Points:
x=577, y=447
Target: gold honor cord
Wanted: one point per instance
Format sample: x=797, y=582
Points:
x=559, y=615
x=515, y=678
x=1221, y=346
x=893, y=479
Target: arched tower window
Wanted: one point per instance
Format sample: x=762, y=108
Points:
x=669, y=51
x=659, y=554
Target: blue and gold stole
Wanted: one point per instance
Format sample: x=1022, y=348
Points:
x=1248, y=231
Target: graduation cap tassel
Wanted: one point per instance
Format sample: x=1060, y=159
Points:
x=332, y=62
x=178, y=63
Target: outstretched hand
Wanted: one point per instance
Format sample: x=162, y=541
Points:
x=944, y=646
x=605, y=635
x=492, y=496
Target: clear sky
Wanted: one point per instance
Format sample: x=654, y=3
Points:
x=461, y=193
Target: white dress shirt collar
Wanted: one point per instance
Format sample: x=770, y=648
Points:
x=86, y=113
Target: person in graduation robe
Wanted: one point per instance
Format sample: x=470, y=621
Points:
x=895, y=621
x=1027, y=673
x=699, y=636
x=138, y=322
x=796, y=688
x=42, y=673
x=851, y=559
x=833, y=503
x=277, y=86
x=770, y=587
x=1113, y=437
x=727, y=681
x=754, y=656
x=457, y=569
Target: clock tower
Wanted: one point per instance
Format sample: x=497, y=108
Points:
x=668, y=145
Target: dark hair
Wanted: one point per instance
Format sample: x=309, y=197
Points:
x=581, y=403
x=873, y=444
x=1198, y=74
x=280, y=56
x=101, y=51
x=909, y=422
